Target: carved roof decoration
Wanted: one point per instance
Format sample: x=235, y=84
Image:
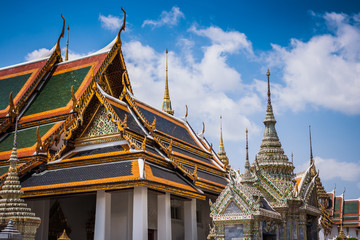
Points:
x=241, y=201
x=92, y=121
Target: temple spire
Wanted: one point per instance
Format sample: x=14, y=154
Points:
x=311, y=152
x=221, y=147
x=166, y=106
x=222, y=153
x=12, y=206
x=67, y=45
x=247, y=177
x=268, y=93
x=247, y=163
x=269, y=110
x=271, y=156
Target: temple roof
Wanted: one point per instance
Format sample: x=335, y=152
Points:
x=343, y=211
x=81, y=129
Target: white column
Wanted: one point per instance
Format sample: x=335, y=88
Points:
x=102, y=216
x=140, y=214
x=41, y=208
x=164, y=216
x=44, y=213
x=190, y=219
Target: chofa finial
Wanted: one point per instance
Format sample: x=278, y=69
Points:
x=118, y=40
x=57, y=47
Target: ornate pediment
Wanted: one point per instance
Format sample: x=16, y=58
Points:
x=232, y=208
x=100, y=125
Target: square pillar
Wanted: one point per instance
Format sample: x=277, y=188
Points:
x=43, y=230
x=102, y=215
x=140, y=213
x=190, y=219
x=164, y=216
x=41, y=208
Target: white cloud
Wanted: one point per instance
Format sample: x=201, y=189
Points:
x=170, y=18
x=110, y=22
x=324, y=71
x=37, y=54
x=222, y=41
x=204, y=85
x=332, y=169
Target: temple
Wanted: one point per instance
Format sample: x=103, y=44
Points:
x=269, y=200
x=342, y=217
x=95, y=162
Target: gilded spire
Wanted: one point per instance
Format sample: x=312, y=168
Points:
x=247, y=177
x=12, y=206
x=166, y=105
x=271, y=156
x=67, y=45
x=222, y=153
x=311, y=152
x=247, y=163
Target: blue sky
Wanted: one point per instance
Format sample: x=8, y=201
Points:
x=218, y=55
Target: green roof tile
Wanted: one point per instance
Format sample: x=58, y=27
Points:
x=56, y=92
x=350, y=218
x=351, y=207
x=25, y=138
x=4, y=169
x=337, y=204
x=8, y=85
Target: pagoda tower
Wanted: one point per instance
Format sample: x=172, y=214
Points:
x=12, y=207
x=271, y=158
x=166, y=104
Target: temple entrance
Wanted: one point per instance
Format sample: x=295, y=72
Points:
x=269, y=230
x=267, y=236
x=75, y=214
x=311, y=228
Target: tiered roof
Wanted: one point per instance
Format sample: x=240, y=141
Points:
x=344, y=212
x=81, y=129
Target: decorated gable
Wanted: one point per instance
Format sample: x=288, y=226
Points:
x=232, y=208
x=100, y=125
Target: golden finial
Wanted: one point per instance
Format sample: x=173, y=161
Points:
x=57, y=47
x=222, y=153
x=311, y=153
x=187, y=111
x=203, y=130
x=166, y=105
x=118, y=40
x=64, y=236
x=221, y=135
x=67, y=45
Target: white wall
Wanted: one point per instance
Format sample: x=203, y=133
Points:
x=177, y=225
